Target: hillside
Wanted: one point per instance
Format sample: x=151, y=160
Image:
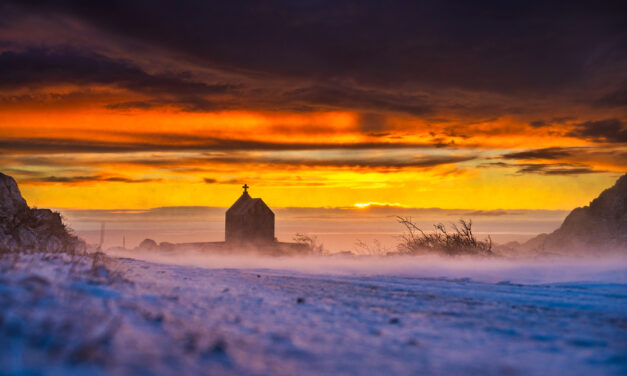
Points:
x=24, y=229
x=597, y=229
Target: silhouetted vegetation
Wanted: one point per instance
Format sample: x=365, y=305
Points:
x=458, y=241
x=311, y=242
x=372, y=248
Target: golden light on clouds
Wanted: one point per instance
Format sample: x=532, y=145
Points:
x=313, y=159
x=87, y=121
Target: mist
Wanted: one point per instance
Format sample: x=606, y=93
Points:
x=338, y=229
x=488, y=270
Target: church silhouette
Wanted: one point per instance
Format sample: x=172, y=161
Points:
x=249, y=220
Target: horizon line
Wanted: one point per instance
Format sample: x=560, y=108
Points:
x=355, y=207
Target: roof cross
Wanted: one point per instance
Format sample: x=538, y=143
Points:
x=245, y=186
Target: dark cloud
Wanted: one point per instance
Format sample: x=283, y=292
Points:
x=46, y=66
x=545, y=153
x=86, y=179
x=379, y=134
x=556, y=120
x=142, y=105
x=186, y=103
x=345, y=97
x=495, y=164
x=538, y=123
x=265, y=181
x=38, y=67
x=556, y=169
x=495, y=46
x=392, y=163
x=174, y=142
x=607, y=130
x=617, y=98
x=562, y=160
x=358, y=159
x=467, y=62
x=546, y=168
x=565, y=160
x=274, y=160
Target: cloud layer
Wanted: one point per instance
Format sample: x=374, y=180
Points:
x=344, y=95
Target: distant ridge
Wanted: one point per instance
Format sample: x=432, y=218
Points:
x=597, y=229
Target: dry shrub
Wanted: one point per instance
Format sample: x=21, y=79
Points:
x=311, y=242
x=459, y=241
x=373, y=248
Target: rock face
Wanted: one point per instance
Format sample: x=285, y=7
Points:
x=11, y=200
x=599, y=228
x=23, y=229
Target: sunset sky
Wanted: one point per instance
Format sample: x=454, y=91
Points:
x=436, y=104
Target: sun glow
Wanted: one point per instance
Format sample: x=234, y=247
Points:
x=365, y=205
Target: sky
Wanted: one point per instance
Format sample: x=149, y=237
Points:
x=321, y=104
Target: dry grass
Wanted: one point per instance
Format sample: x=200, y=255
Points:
x=373, y=248
x=458, y=241
x=42, y=233
x=38, y=230
x=311, y=242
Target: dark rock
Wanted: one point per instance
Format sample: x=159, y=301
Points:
x=596, y=229
x=11, y=202
x=23, y=229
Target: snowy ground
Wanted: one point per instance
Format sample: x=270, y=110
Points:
x=62, y=316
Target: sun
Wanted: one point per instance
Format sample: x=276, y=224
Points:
x=365, y=205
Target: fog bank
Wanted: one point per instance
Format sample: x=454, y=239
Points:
x=490, y=270
x=338, y=229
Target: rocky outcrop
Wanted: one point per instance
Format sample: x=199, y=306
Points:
x=596, y=229
x=23, y=229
